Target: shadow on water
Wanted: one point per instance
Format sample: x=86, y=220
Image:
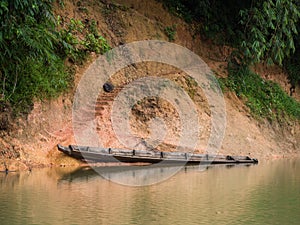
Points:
x=115, y=173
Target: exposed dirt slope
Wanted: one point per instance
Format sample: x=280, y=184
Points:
x=34, y=140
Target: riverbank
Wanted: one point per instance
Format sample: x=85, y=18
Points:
x=31, y=142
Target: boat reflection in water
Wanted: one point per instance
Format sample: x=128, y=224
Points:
x=136, y=175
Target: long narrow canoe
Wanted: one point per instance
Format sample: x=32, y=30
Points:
x=98, y=154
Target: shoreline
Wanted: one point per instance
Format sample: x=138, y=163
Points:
x=17, y=165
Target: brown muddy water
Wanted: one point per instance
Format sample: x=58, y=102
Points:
x=267, y=193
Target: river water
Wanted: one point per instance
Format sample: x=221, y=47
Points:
x=267, y=193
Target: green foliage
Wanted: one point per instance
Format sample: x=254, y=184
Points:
x=26, y=39
x=78, y=39
x=93, y=41
x=292, y=63
x=263, y=30
x=178, y=8
x=33, y=51
x=269, y=32
x=265, y=99
x=171, y=32
x=38, y=80
x=293, y=69
x=219, y=18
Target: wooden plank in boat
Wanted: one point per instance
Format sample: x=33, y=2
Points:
x=122, y=152
x=144, y=153
x=98, y=150
x=175, y=155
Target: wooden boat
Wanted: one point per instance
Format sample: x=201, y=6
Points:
x=99, y=154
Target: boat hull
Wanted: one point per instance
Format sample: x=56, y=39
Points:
x=98, y=154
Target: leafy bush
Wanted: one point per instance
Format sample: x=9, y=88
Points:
x=77, y=39
x=219, y=19
x=178, y=8
x=270, y=28
x=263, y=30
x=39, y=80
x=264, y=98
x=27, y=48
x=93, y=41
x=293, y=70
x=171, y=32
x=33, y=51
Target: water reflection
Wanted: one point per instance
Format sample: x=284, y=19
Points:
x=136, y=175
x=268, y=193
